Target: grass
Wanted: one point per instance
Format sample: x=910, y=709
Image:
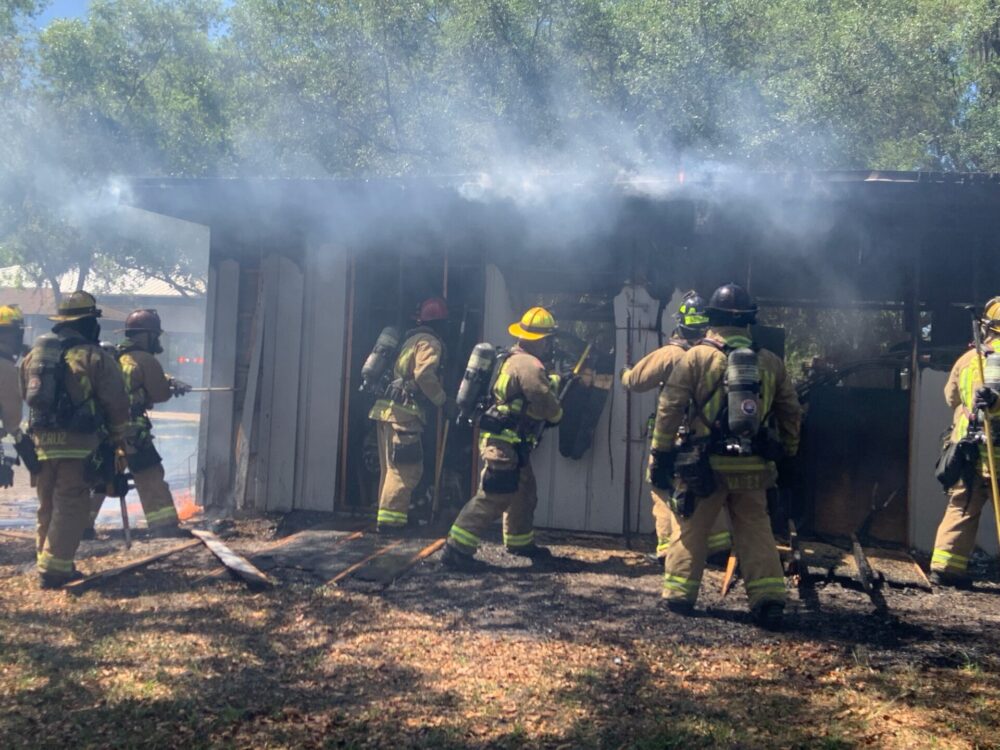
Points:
x=216, y=666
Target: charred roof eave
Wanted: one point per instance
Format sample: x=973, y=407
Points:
x=789, y=232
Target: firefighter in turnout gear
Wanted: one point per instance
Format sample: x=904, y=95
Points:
x=712, y=448
x=524, y=398
x=970, y=399
x=404, y=410
x=74, y=391
x=147, y=384
x=653, y=371
x=11, y=347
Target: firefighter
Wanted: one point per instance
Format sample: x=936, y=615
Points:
x=11, y=347
x=966, y=394
x=99, y=491
x=723, y=455
x=147, y=384
x=653, y=371
x=403, y=411
x=523, y=399
x=67, y=412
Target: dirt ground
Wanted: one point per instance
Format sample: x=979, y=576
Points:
x=569, y=654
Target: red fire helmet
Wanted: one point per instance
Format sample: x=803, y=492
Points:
x=434, y=308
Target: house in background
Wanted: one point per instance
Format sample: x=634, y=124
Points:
x=183, y=315
x=304, y=273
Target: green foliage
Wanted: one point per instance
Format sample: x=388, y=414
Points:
x=382, y=87
x=138, y=86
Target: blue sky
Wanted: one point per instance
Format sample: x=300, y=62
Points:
x=62, y=9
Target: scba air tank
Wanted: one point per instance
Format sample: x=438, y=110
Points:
x=991, y=371
x=41, y=390
x=476, y=379
x=743, y=393
x=382, y=357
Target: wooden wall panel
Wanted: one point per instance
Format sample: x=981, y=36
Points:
x=322, y=377
x=215, y=452
x=277, y=428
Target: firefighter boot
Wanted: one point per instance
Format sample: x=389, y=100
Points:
x=532, y=552
x=49, y=581
x=452, y=559
x=769, y=615
x=677, y=606
x=954, y=580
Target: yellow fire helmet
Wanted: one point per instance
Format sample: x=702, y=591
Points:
x=991, y=314
x=76, y=306
x=535, y=324
x=11, y=316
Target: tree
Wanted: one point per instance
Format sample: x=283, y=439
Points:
x=135, y=88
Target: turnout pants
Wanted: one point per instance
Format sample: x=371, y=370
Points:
x=956, y=534
x=719, y=538
x=517, y=506
x=401, y=459
x=752, y=540
x=63, y=512
x=154, y=494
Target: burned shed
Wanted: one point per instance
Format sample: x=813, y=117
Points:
x=861, y=277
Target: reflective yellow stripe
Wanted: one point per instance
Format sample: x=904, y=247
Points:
x=736, y=464
x=662, y=546
x=391, y=518
x=662, y=441
x=463, y=537
x=47, y=563
x=48, y=454
x=766, y=589
x=761, y=585
x=681, y=585
x=500, y=387
x=719, y=541
x=519, y=540
x=162, y=515
x=738, y=341
x=507, y=436
x=943, y=558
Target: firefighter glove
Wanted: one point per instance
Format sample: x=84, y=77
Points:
x=179, y=387
x=985, y=398
x=661, y=469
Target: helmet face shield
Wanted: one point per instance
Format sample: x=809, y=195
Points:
x=692, y=313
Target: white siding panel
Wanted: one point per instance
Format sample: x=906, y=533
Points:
x=322, y=377
x=285, y=395
x=216, y=428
